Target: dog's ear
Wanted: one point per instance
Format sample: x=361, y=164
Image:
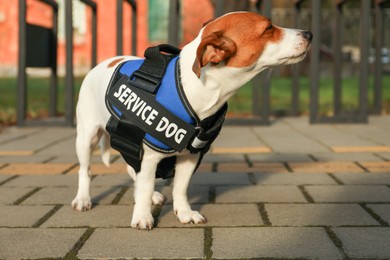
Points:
x=214, y=48
x=207, y=22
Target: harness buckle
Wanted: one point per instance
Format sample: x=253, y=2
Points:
x=145, y=81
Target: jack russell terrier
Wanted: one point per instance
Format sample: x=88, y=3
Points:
x=228, y=52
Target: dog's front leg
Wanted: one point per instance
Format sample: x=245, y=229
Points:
x=144, y=188
x=184, y=169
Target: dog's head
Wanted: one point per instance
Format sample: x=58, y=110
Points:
x=245, y=39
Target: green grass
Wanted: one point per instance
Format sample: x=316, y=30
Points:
x=241, y=103
x=37, y=98
x=281, y=90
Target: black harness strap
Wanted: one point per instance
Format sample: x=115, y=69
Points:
x=148, y=77
x=208, y=131
x=126, y=138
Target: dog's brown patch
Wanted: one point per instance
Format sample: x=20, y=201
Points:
x=114, y=62
x=250, y=32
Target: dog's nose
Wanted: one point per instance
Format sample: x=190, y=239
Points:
x=308, y=35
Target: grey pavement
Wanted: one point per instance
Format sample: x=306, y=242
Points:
x=290, y=190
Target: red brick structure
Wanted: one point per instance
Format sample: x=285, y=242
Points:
x=194, y=13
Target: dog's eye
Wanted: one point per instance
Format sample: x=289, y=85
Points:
x=269, y=27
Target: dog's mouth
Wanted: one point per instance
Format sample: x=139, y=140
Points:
x=294, y=58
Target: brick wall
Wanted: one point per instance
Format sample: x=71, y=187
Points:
x=194, y=13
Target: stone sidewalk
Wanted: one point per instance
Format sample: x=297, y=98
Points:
x=286, y=191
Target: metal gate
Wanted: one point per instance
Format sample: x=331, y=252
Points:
x=261, y=111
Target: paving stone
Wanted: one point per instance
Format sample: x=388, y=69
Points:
x=4, y=178
x=25, y=158
x=12, y=133
x=294, y=142
x=128, y=243
x=10, y=195
x=334, y=135
x=61, y=195
x=292, y=179
x=16, y=152
x=220, y=179
x=377, y=166
x=325, y=167
x=64, y=159
x=112, y=152
x=217, y=215
x=205, y=167
x=365, y=242
x=233, y=167
x=273, y=242
x=318, y=215
x=350, y=193
x=262, y=167
x=39, y=140
x=241, y=150
x=114, y=158
x=364, y=178
x=370, y=132
x=345, y=157
x=99, y=216
x=100, y=168
x=21, y=216
x=223, y=158
x=275, y=157
x=250, y=194
x=13, y=152
x=29, y=243
x=380, y=121
x=35, y=168
x=123, y=180
x=44, y=181
x=196, y=195
x=384, y=155
x=383, y=210
x=63, y=147
x=72, y=158
x=358, y=149
x=236, y=137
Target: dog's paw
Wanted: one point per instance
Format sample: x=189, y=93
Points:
x=82, y=204
x=158, y=198
x=145, y=222
x=190, y=216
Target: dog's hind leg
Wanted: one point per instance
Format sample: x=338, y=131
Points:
x=184, y=169
x=86, y=141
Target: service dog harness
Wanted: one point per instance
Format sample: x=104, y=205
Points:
x=148, y=105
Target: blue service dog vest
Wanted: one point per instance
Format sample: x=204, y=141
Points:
x=148, y=105
x=168, y=96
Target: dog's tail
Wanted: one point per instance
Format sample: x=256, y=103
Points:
x=105, y=149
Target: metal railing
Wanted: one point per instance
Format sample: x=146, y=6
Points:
x=261, y=107
x=119, y=26
x=361, y=115
x=69, y=78
x=261, y=104
x=37, y=49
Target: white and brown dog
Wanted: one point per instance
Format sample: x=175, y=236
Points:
x=228, y=52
